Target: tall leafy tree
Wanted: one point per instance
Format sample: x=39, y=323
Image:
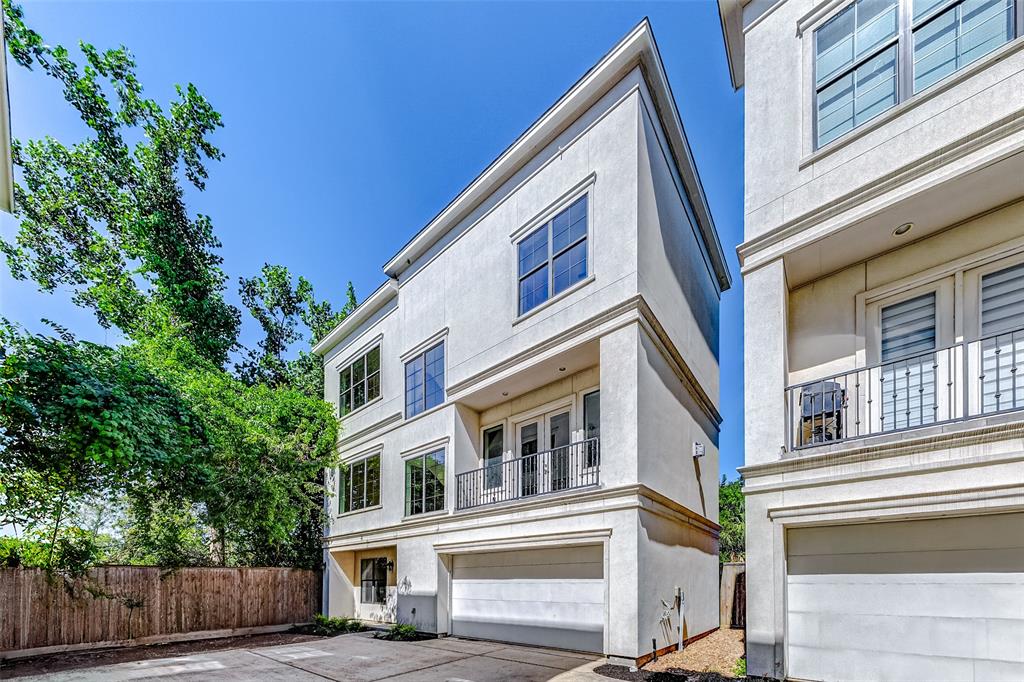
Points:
x=106, y=216
x=79, y=422
x=731, y=516
x=287, y=311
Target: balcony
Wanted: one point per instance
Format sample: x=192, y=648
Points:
x=572, y=466
x=964, y=381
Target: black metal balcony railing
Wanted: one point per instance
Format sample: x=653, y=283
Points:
x=576, y=465
x=963, y=381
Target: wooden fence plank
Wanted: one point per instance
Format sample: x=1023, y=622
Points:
x=118, y=603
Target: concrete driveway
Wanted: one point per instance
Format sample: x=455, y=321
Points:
x=356, y=658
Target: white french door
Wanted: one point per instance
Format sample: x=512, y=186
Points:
x=549, y=435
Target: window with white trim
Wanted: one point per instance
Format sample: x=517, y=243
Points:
x=553, y=257
x=424, y=381
x=359, y=382
x=359, y=484
x=874, y=54
x=908, y=335
x=424, y=483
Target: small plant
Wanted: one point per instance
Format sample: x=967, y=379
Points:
x=740, y=669
x=399, y=632
x=324, y=625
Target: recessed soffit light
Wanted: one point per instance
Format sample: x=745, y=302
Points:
x=902, y=229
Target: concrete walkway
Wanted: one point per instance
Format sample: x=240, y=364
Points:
x=356, y=658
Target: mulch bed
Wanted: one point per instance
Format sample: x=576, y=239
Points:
x=52, y=663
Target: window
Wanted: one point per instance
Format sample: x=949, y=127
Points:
x=359, y=485
x=1002, y=345
x=553, y=257
x=859, y=53
x=592, y=427
x=424, y=381
x=359, y=382
x=908, y=334
x=373, y=580
x=424, y=483
x=494, y=449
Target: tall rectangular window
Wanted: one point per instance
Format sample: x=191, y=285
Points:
x=855, y=66
x=424, y=381
x=908, y=334
x=359, y=382
x=592, y=426
x=860, y=52
x=373, y=580
x=494, y=449
x=359, y=484
x=424, y=483
x=553, y=257
x=1002, y=345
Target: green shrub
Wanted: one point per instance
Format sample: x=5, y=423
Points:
x=399, y=632
x=740, y=669
x=323, y=625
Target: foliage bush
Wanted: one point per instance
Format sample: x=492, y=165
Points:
x=324, y=625
x=399, y=632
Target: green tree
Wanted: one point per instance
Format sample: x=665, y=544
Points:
x=287, y=311
x=731, y=541
x=80, y=421
x=268, y=448
x=107, y=218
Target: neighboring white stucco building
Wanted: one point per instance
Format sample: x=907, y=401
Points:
x=883, y=266
x=557, y=323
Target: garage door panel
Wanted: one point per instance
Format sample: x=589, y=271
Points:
x=917, y=613
x=951, y=561
x=586, y=554
x=851, y=664
x=589, y=591
x=588, y=570
x=993, y=595
x=554, y=598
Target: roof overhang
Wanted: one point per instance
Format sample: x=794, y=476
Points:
x=637, y=48
x=731, y=14
x=6, y=161
x=374, y=302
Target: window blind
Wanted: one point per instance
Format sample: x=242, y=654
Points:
x=908, y=327
x=1002, y=300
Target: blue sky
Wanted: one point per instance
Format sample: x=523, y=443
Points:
x=349, y=125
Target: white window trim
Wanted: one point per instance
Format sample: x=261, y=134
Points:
x=958, y=269
x=377, y=341
x=361, y=456
x=426, y=449
x=805, y=31
x=972, y=291
x=944, y=313
x=440, y=338
x=584, y=188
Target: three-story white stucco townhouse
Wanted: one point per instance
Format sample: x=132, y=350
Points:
x=883, y=270
x=529, y=405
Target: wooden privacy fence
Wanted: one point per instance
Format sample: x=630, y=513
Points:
x=142, y=605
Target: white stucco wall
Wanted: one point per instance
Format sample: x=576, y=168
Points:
x=648, y=277
x=785, y=178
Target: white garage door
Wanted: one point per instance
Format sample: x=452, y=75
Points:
x=549, y=597
x=935, y=599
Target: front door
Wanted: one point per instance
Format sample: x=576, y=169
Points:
x=543, y=446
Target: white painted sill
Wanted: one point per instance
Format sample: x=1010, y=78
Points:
x=359, y=511
x=931, y=92
x=554, y=299
x=426, y=515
